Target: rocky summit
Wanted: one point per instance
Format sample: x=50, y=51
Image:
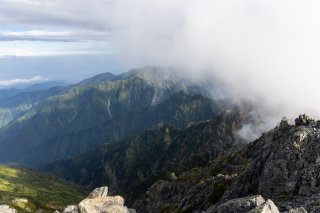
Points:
x=99, y=202
x=283, y=165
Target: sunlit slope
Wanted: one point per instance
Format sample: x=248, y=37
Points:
x=41, y=191
x=104, y=109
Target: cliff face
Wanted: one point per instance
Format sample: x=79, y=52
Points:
x=283, y=164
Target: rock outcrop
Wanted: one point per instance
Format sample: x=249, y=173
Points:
x=282, y=165
x=99, y=202
x=250, y=204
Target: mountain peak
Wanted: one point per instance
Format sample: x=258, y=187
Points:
x=304, y=120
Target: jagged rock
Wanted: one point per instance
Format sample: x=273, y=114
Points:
x=99, y=202
x=103, y=204
x=71, y=209
x=297, y=210
x=7, y=209
x=250, y=204
x=191, y=195
x=266, y=207
x=284, y=123
x=99, y=192
x=303, y=120
x=283, y=165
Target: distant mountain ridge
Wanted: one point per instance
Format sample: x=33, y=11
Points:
x=17, y=103
x=131, y=166
x=105, y=108
x=14, y=102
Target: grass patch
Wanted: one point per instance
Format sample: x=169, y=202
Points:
x=41, y=190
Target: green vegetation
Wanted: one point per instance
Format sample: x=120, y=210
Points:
x=217, y=191
x=105, y=109
x=131, y=166
x=27, y=190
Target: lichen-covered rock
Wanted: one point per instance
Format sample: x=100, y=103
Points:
x=71, y=209
x=99, y=202
x=7, y=209
x=102, y=204
x=99, y=192
x=266, y=207
x=250, y=204
x=303, y=120
x=24, y=204
x=298, y=210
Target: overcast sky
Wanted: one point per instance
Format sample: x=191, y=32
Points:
x=265, y=50
x=57, y=40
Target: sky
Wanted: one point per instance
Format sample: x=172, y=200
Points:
x=266, y=51
x=65, y=40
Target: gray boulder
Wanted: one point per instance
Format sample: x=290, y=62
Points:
x=99, y=202
x=71, y=209
x=250, y=204
x=7, y=209
x=298, y=210
x=99, y=192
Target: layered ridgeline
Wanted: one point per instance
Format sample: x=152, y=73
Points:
x=15, y=103
x=13, y=91
x=131, y=166
x=104, y=109
x=28, y=191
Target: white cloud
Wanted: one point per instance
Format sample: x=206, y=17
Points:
x=42, y=48
x=81, y=23
x=268, y=51
x=13, y=82
x=61, y=14
x=55, y=36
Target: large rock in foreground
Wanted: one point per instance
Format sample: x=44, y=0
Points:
x=251, y=204
x=7, y=209
x=99, y=202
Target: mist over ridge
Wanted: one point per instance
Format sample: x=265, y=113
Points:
x=266, y=52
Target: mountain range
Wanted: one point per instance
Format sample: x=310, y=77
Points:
x=43, y=126
x=163, y=142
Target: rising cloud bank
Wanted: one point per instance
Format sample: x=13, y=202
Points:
x=266, y=51
x=14, y=82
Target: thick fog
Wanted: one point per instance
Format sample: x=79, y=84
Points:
x=267, y=51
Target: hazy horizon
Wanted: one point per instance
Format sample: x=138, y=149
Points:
x=68, y=69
